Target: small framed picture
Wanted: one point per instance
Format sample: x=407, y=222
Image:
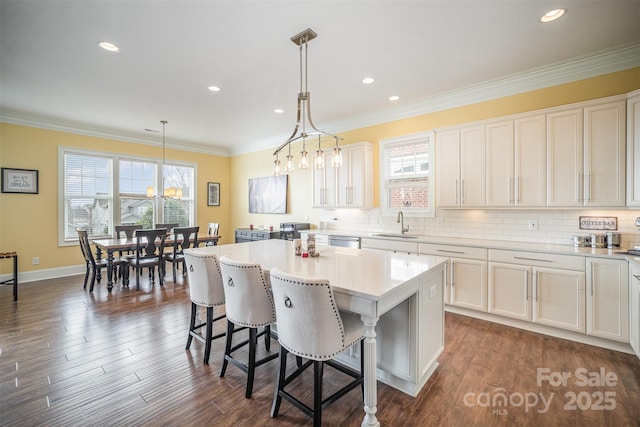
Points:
x=19, y=181
x=213, y=194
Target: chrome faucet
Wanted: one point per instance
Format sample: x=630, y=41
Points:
x=400, y=220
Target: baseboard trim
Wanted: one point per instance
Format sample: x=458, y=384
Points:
x=46, y=273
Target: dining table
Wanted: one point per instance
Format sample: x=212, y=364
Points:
x=109, y=246
x=398, y=296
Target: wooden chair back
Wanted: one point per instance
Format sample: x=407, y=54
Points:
x=128, y=230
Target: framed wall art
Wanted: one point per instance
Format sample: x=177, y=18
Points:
x=213, y=194
x=19, y=181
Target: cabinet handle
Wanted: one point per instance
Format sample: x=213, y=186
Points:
x=526, y=290
x=510, y=190
x=453, y=280
x=462, y=191
x=457, y=198
x=637, y=277
x=532, y=259
x=589, y=188
x=518, y=190
x=579, y=187
x=535, y=283
x=591, y=280
x=449, y=252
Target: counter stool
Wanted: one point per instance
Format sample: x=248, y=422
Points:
x=310, y=326
x=13, y=255
x=248, y=304
x=205, y=289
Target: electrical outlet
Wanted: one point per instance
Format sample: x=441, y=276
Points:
x=35, y=260
x=432, y=291
x=439, y=220
x=533, y=225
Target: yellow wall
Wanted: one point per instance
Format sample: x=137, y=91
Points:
x=29, y=223
x=299, y=199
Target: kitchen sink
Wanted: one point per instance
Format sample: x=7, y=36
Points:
x=396, y=235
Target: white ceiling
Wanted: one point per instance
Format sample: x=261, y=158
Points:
x=52, y=73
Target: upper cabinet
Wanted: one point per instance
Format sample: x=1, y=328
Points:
x=633, y=150
x=516, y=162
x=460, y=175
x=558, y=158
x=349, y=186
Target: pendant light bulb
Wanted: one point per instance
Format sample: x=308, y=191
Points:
x=276, y=167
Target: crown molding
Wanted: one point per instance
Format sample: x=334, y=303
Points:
x=604, y=62
x=22, y=118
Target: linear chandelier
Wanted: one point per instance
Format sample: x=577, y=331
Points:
x=169, y=192
x=304, y=117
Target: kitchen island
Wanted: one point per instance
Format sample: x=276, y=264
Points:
x=399, y=297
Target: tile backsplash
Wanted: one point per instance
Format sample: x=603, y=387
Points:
x=554, y=227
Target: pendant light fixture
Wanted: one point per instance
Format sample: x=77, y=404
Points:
x=167, y=192
x=304, y=117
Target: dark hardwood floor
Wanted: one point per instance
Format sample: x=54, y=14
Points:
x=70, y=357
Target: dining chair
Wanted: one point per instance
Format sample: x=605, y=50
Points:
x=205, y=290
x=94, y=266
x=248, y=303
x=149, y=253
x=128, y=230
x=212, y=230
x=169, y=226
x=183, y=238
x=311, y=326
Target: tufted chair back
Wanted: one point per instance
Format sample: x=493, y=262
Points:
x=248, y=299
x=205, y=280
x=309, y=323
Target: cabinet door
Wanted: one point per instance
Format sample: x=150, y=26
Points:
x=634, y=307
x=324, y=183
x=558, y=298
x=472, y=166
x=318, y=186
x=448, y=168
x=608, y=298
x=604, y=155
x=355, y=177
x=469, y=284
x=564, y=158
x=499, y=167
x=509, y=290
x=530, y=161
x=633, y=151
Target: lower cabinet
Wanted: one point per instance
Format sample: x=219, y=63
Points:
x=608, y=298
x=469, y=283
x=558, y=298
x=510, y=290
x=634, y=307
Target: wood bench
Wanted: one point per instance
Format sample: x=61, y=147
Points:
x=13, y=255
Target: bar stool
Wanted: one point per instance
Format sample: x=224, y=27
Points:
x=205, y=288
x=248, y=304
x=310, y=326
x=14, y=279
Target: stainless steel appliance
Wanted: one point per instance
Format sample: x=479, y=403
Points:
x=345, y=241
x=291, y=230
x=613, y=239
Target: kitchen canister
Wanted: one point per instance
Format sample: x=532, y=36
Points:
x=311, y=245
x=297, y=247
x=598, y=240
x=581, y=241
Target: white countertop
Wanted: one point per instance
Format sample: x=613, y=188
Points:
x=368, y=273
x=489, y=244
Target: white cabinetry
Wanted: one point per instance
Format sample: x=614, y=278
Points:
x=467, y=275
x=389, y=245
x=634, y=306
x=633, y=150
x=608, y=298
x=538, y=287
x=516, y=162
x=586, y=156
x=349, y=186
x=460, y=155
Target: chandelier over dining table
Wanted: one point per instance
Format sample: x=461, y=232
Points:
x=167, y=192
x=304, y=118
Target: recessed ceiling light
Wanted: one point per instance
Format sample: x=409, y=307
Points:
x=552, y=15
x=278, y=111
x=214, y=88
x=109, y=46
x=394, y=98
x=368, y=80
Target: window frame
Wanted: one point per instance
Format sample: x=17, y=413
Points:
x=115, y=196
x=428, y=212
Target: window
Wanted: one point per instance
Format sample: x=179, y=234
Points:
x=99, y=190
x=407, y=175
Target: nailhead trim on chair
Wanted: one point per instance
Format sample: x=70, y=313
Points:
x=335, y=312
x=268, y=292
x=217, y=268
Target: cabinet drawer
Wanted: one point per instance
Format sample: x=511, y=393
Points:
x=453, y=251
x=536, y=259
x=389, y=245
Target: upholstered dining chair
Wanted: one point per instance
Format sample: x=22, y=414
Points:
x=311, y=326
x=206, y=290
x=149, y=253
x=169, y=226
x=94, y=266
x=183, y=238
x=249, y=304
